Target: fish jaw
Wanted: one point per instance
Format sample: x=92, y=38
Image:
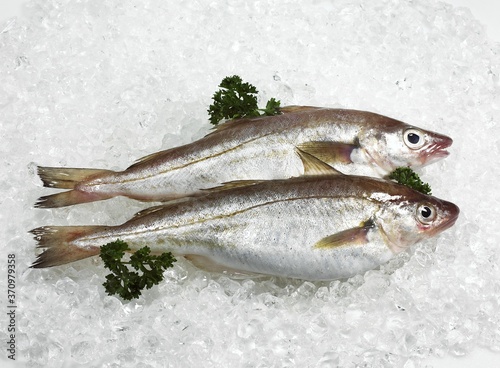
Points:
x=436, y=149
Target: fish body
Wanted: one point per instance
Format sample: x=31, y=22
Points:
x=353, y=142
x=313, y=228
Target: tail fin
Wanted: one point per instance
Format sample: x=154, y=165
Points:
x=68, y=178
x=68, y=198
x=57, y=241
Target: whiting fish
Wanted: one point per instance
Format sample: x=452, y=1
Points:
x=313, y=228
x=263, y=148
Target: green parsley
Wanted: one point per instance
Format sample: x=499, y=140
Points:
x=129, y=284
x=408, y=177
x=238, y=99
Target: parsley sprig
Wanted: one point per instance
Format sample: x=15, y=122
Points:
x=129, y=284
x=408, y=177
x=238, y=99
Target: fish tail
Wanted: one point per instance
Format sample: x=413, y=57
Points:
x=68, y=198
x=57, y=241
x=68, y=178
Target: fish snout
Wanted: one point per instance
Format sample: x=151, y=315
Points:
x=436, y=150
x=450, y=213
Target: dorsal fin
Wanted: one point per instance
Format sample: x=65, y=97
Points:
x=167, y=203
x=148, y=211
x=284, y=110
x=150, y=157
x=234, y=122
x=233, y=184
x=297, y=108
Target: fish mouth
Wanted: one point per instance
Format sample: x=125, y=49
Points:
x=437, y=149
x=451, y=212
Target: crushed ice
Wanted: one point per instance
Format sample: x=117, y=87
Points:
x=100, y=84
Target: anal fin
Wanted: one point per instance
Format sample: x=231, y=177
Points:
x=207, y=264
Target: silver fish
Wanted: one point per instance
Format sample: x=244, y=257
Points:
x=264, y=148
x=312, y=228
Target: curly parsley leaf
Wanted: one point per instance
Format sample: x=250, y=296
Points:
x=406, y=176
x=272, y=107
x=238, y=99
x=127, y=283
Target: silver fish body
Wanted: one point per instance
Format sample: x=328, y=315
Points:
x=322, y=228
x=353, y=142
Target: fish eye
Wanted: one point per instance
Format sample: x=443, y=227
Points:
x=414, y=138
x=426, y=213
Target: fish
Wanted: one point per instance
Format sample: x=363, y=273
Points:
x=323, y=227
x=263, y=148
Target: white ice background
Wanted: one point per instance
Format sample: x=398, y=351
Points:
x=100, y=84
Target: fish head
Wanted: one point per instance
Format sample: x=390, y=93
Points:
x=409, y=219
x=393, y=144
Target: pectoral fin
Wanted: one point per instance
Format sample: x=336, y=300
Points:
x=314, y=166
x=354, y=236
x=329, y=152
